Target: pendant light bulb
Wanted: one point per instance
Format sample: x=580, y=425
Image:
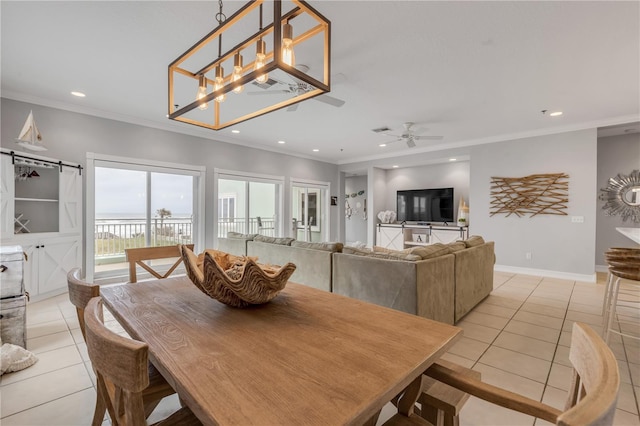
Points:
x=219, y=83
x=202, y=91
x=237, y=72
x=261, y=56
x=288, y=56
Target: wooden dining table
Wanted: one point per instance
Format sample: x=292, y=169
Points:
x=307, y=357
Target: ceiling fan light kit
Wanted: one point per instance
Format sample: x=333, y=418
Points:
x=260, y=56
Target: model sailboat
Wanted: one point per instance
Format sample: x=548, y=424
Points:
x=30, y=136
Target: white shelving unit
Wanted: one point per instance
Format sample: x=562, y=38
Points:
x=43, y=214
x=399, y=237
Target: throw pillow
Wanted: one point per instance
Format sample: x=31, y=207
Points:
x=430, y=251
x=329, y=246
x=273, y=240
x=474, y=240
x=456, y=246
x=241, y=236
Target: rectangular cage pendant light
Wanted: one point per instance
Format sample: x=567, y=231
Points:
x=251, y=65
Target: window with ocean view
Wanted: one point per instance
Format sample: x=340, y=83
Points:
x=139, y=206
x=249, y=204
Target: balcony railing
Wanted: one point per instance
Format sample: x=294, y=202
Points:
x=113, y=236
x=263, y=226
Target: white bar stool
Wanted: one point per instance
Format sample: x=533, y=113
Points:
x=628, y=270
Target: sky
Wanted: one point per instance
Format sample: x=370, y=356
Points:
x=124, y=192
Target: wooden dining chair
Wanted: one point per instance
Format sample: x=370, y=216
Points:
x=122, y=377
x=591, y=400
x=80, y=293
x=140, y=256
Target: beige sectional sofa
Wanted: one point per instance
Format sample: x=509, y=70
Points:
x=444, y=284
x=313, y=260
x=421, y=287
x=440, y=282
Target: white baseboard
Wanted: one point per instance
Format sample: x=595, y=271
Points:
x=589, y=278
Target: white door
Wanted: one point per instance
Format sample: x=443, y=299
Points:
x=7, y=195
x=70, y=201
x=309, y=207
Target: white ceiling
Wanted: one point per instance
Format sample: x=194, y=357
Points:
x=474, y=72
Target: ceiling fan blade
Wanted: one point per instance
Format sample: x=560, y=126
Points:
x=330, y=100
x=411, y=143
x=268, y=92
x=416, y=130
x=428, y=138
x=293, y=107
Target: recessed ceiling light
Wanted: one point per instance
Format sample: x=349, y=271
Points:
x=235, y=131
x=395, y=166
x=452, y=159
x=78, y=94
x=316, y=150
x=281, y=142
x=555, y=114
x=382, y=145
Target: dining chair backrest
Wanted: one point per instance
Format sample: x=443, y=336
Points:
x=120, y=364
x=594, y=388
x=139, y=256
x=80, y=292
x=592, y=395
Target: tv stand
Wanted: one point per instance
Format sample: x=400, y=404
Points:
x=401, y=236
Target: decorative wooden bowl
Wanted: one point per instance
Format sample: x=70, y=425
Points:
x=254, y=286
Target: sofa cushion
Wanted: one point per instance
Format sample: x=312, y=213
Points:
x=357, y=251
x=387, y=254
x=329, y=246
x=456, y=246
x=474, y=240
x=430, y=251
x=285, y=241
x=240, y=236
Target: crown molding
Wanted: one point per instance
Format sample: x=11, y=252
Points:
x=169, y=126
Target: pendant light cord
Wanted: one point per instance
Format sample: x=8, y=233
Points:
x=220, y=17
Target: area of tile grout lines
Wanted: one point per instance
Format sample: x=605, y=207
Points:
x=518, y=338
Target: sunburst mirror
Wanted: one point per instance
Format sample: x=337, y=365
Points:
x=622, y=196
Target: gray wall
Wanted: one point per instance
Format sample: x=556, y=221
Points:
x=448, y=175
x=69, y=136
x=356, y=227
x=555, y=243
x=616, y=154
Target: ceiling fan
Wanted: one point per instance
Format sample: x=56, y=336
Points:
x=296, y=88
x=410, y=135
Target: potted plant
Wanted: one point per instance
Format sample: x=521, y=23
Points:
x=462, y=221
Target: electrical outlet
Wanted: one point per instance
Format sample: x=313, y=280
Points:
x=527, y=255
x=577, y=219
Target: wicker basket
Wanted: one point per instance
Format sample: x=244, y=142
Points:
x=254, y=287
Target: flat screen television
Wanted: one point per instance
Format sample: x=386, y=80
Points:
x=425, y=205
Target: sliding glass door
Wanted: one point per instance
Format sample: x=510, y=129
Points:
x=137, y=205
x=248, y=205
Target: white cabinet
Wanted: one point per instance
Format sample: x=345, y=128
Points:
x=49, y=259
x=390, y=237
x=48, y=209
x=399, y=237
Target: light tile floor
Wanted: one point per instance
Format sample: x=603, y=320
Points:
x=518, y=338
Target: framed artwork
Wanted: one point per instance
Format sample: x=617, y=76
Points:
x=334, y=201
